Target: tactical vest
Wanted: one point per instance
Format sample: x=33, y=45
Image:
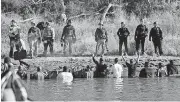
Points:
x=156, y=33
x=48, y=32
x=141, y=31
x=101, y=33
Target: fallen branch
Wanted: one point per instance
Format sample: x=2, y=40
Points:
x=105, y=12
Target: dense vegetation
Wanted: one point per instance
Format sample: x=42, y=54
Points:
x=86, y=14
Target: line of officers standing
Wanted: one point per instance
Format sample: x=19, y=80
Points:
x=140, y=35
x=43, y=32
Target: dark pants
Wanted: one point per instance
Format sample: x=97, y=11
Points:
x=157, y=45
x=46, y=44
x=138, y=42
x=121, y=41
x=12, y=44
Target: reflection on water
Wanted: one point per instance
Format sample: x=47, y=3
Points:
x=105, y=89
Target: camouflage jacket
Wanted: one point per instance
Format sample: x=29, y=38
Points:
x=14, y=31
x=100, y=33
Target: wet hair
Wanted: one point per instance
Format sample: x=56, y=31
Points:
x=69, y=21
x=116, y=60
x=171, y=61
x=141, y=19
x=87, y=66
x=146, y=64
x=101, y=59
x=64, y=69
x=19, y=67
x=131, y=60
x=160, y=64
x=7, y=60
x=47, y=23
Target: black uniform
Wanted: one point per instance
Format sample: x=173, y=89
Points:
x=156, y=35
x=140, y=35
x=123, y=33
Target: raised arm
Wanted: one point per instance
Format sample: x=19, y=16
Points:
x=137, y=61
x=94, y=60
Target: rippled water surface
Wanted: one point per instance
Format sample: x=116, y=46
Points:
x=106, y=89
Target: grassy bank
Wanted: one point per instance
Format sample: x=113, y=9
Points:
x=85, y=29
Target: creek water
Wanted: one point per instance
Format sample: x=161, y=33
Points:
x=105, y=89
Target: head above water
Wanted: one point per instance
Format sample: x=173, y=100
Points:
x=65, y=69
x=131, y=61
x=116, y=60
x=160, y=65
x=7, y=60
x=146, y=64
x=39, y=69
x=101, y=60
x=47, y=24
x=20, y=68
x=171, y=62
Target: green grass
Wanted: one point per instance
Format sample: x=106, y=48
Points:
x=85, y=30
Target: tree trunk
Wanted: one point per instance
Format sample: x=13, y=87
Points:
x=63, y=15
x=104, y=14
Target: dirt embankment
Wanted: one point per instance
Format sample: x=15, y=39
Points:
x=51, y=63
